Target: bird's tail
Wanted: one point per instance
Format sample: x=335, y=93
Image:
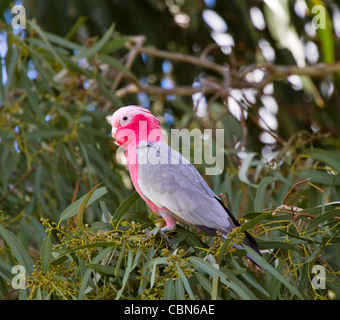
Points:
x=248, y=239
x=250, y=242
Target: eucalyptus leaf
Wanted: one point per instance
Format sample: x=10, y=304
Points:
x=72, y=210
x=46, y=253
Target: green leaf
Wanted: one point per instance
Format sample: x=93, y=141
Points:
x=259, y=199
x=253, y=222
x=45, y=71
x=82, y=207
x=105, y=212
x=252, y=280
x=5, y=271
x=115, y=64
x=123, y=208
x=213, y=272
x=126, y=275
x=315, y=253
x=17, y=248
x=318, y=176
x=246, y=163
x=88, y=271
x=115, y=44
x=62, y=256
x=169, y=290
x=322, y=208
x=136, y=259
x=96, y=226
x=163, y=260
x=88, y=53
x=179, y=288
x=153, y=274
x=214, y=286
x=45, y=253
x=324, y=30
x=276, y=243
x=138, y=215
x=72, y=209
x=237, y=282
x=330, y=158
x=262, y=262
x=109, y=270
x=120, y=259
x=190, y=238
x=103, y=269
x=14, y=56
x=232, y=127
x=305, y=239
x=205, y=283
x=322, y=218
x=275, y=285
x=185, y=282
x=43, y=36
x=43, y=134
x=75, y=27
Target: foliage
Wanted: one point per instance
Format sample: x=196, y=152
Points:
x=281, y=182
x=110, y=260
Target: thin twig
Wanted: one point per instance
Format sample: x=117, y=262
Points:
x=76, y=189
x=134, y=87
x=60, y=156
x=9, y=294
x=317, y=188
x=296, y=215
x=267, y=130
x=292, y=188
x=130, y=59
x=22, y=179
x=273, y=72
x=181, y=57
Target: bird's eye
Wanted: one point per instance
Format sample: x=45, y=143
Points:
x=125, y=119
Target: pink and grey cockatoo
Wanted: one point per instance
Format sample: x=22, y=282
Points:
x=168, y=182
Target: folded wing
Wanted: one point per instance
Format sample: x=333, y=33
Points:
x=170, y=181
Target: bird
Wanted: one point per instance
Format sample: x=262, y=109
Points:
x=170, y=185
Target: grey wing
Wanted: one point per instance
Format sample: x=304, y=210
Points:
x=170, y=181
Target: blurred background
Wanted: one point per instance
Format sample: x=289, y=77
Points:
x=267, y=72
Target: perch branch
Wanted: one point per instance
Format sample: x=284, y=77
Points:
x=235, y=79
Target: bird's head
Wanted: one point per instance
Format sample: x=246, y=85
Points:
x=133, y=124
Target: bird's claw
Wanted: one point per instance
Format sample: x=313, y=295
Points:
x=153, y=232
x=166, y=238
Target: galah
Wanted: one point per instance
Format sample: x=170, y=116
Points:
x=168, y=182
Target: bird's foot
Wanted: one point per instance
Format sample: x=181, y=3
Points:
x=162, y=231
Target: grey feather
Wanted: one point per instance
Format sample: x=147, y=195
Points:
x=172, y=182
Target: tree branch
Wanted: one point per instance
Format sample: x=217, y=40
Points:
x=180, y=57
x=231, y=78
x=275, y=72
x=235, y=80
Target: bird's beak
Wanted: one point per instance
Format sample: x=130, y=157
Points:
x=114, y=130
